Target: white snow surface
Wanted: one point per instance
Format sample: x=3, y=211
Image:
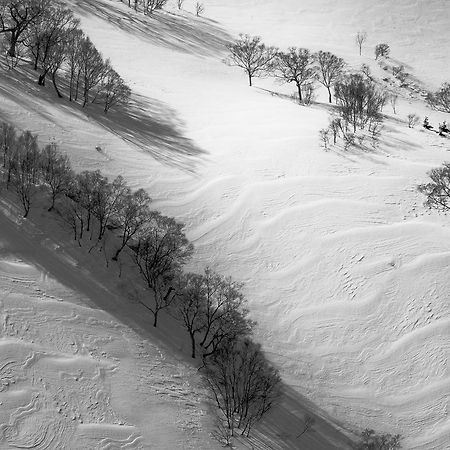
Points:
x=345, y=271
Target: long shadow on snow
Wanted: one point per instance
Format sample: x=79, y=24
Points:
x=184, y=33
x=153, y=127
x=146, y=123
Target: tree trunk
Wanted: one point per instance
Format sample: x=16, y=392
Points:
x=41, y=80
x=249, y=79
x=299, y=88
x=55, y=85
x=329, y=94
x=155, y=318
x=192, y=345
x=12, y=46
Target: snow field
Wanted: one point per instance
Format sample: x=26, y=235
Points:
x=345, y=270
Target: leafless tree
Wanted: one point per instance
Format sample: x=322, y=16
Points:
x=330, y=68
x=243, y=384
x=92, y=68
x=133, y=214
x=413, y=120
x=359, y=99
x=437, y=190
x=370, y=440
x=324, y=135
x=108, y=197
x=382, y=50
x=152, y=5
x=26, y=171
x=295, y=66
x=360, y=38
x=393, y=98
x=8, y=144
x=160, y=253
x=113, y=90
x=74, y=47
x=335, y=127
x=212, y=308
x=199, y=9
x=180, y=4
x=16, y=16
x=440, y=100
x=252, y=55
x=56, y=172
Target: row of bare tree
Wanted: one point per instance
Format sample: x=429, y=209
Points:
x=148, y=6
x=49, y=34
x=211, y=307
x=296, y=65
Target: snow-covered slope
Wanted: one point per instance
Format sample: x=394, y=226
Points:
x=73, y=376
x=345, y=270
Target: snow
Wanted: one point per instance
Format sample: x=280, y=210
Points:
x=74, y=376
x=345, y=270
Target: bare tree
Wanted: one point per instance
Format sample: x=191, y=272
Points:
x=359, y=99
x=382, y=50
x=324, y=135
x=360, y=38
x=370, y=440
x=56, y=172
x=113, y=90
x=190, y=306
x=226, y=315
x=413, y=120
x=243, y=384
x=8, y=144
x=108, y=198
x=295, y=66
x=250, y=54
x=199, y=9
x=16, y=16
x=440, y=100
x=437, y=190
x=180, y=4
x=92, y=68
x=74, y=47
x=152, y=5
x=47, y=33
x=211, y=307
x=133, y=214
x=160, y=253
x=393, y=98
x=330, y=68
x=26, y=171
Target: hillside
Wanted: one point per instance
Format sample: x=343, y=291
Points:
x=344, y=269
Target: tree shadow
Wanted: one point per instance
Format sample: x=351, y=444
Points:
x=185, y=33
x=154, y=128
x=146, y=123
x=281, y=427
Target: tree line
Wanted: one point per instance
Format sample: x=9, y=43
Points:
x=359, y=98
x=48, y=34
x=211, y=307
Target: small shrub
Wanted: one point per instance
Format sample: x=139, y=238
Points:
x=413, y=120
x=382, y=50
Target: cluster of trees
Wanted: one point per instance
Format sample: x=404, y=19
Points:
x=296, y=65
x=381, y=50
x=211, y=307
x=370, y=440
x=49, y=35
x=360, y=104
x=147, y=6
